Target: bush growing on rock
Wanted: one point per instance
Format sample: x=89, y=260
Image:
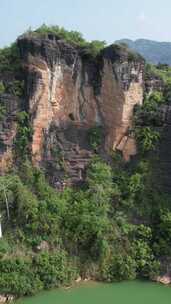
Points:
x=2, y=88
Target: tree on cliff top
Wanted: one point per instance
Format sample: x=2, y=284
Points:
x=74, y=37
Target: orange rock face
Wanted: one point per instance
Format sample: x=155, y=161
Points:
x=8, y=130
x=70, y=88
x=67, y=93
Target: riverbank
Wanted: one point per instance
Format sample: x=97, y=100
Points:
x=165, y=279
x=132, y=292
x=6, y=298
x=84, y=283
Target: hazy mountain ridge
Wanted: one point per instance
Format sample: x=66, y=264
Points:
x=153, y=51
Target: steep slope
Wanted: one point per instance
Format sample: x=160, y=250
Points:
x=69, y=92
x=64, y=110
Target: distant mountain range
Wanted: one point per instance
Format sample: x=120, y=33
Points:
x=153, y=51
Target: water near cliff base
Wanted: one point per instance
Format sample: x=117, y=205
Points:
x=98, y=293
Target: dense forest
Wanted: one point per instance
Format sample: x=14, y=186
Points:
x=115, y=226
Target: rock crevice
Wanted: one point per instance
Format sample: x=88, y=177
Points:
x=67, y=89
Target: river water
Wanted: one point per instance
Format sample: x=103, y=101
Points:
x=134, y=292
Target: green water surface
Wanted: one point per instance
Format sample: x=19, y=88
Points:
x=97, y=293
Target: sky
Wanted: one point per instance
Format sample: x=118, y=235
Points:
x=107, y=20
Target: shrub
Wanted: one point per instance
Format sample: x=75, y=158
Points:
x=2, y=112
x=4, y=247
x=2, y=88
x=15, y=87
x=84, y=226
x=53, y=269
x=100, y=181
x=24, y=134
x=95, y=137
x=22, y=203
x=147, y=138
x=149, y=114
x=18, y=277
x=10, y=59
x=119, y=268
x=99, y=173
x=70, y=36
x=92, y=48
x=135, y=183
x=162, y=233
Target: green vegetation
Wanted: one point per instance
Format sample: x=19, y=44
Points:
x=147, y=121
x=70, y=36
x=114, y=227
x=147, y=138
x=15, y=88
x=2, y=88
x=107, y=229
x=24, y=134
x=2, y=112
x=163, y=73
x=10, y=64
x=89, y=231
x=10, y=59
x=73, y=37
x=160, y=71
x=95, y=136
x=26, y=275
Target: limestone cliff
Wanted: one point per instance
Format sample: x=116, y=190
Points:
x=68, y=92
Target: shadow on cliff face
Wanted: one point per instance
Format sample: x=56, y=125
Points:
x=72, y=90
x=68, y=151
x=164, y=154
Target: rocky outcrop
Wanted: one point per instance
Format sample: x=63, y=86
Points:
x=68, y=92
x=153, y=83
x=9, y=107
x=6, y=298
x=165, y=276
x=43, y=246
x=165, y=279
x=121, y=88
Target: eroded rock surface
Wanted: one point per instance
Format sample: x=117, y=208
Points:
x=10, y=106
x=70, y=90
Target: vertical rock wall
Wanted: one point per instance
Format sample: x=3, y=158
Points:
x=69, y=92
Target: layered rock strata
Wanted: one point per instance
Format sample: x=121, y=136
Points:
x=68, y=92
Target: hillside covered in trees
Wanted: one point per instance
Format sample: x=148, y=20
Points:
x=85, y=184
